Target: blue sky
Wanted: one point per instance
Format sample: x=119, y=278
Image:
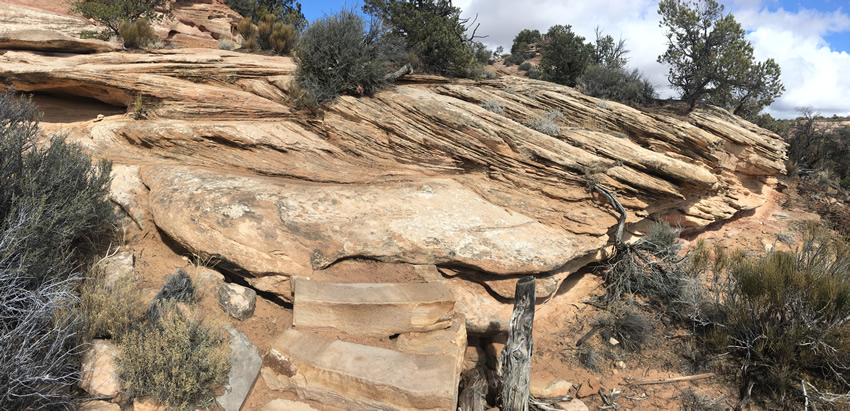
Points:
x=809, y=39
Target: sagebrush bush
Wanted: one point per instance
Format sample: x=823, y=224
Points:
x=55, y=188
x=784, y=317
x=525, y=66
x=225, y=44
x=617, y=84
x=546, y=124
x=53, y=207
x=338, y=54
x=110, y=307
x=40, y=359
x=136, y=34
x=493, y=106
x=177, y=361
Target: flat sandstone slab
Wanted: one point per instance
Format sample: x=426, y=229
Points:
x=372, y=309
x=359, y=377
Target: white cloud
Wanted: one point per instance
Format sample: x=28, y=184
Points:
x=813, y=74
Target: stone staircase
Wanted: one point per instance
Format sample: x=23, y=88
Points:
x=416, y=368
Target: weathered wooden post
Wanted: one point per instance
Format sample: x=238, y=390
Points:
x=515, y=359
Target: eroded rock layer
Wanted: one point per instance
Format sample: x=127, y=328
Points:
x=420, y=173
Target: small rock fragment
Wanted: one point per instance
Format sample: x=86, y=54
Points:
x=556, y=388
x=585, y=390
x=237, y=300
x=99, y=372
x=573, y=405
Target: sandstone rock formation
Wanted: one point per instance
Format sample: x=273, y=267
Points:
x=47, y=40
x=454, y=202
x=198, y=24
x=39, y=16
x=359, y=376
x=418, y=174
x=192, y=24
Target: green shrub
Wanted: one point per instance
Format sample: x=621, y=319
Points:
x=533, y=74
x=513, y=59
x=52, y=205
x=617, y=84
x=269, y=34
x=432, y=29
x=483, y=56
x=339, y=55
x=525, y=66
x=176, y=361
x=54, y=187
x=92, y=34
x=784, y=317
x=245, y=8
x=112, y=13
x=845, y=183
x=111, y=307
x=524, y=38
x=137, y=34
x=565, y=56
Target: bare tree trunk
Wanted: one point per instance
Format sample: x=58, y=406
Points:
x=621, y=222
x=404, y=70
x=515, y=359
x=472, y=396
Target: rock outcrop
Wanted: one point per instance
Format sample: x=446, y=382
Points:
x=47, y=40
x=359, y=376
x=420, y=173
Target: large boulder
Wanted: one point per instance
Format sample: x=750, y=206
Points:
x=274, y=226
x=359, y=376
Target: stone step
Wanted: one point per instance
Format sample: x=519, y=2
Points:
x=360, y=377
x=371, y=309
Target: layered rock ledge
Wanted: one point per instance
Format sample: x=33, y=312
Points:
x=418, y=174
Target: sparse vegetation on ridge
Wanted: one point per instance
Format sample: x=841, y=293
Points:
x=340, y=55
x=434, y=32
x=783, y=316
x=112, y=13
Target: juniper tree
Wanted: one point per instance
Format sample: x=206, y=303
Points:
x=711, y=61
